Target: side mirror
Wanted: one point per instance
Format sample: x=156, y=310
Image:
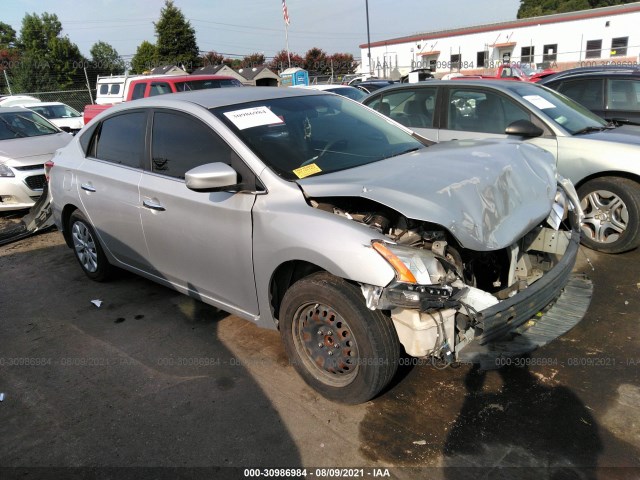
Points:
x=212, y=177
x=523, y=128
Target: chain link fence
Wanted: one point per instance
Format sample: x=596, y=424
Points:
x=74, y=97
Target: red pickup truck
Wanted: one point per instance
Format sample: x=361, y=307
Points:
x=112, y=90
x=522, y=73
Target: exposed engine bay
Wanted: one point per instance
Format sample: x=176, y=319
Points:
x=437, y=308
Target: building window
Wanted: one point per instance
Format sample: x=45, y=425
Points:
x=482, y=59
x=619, y=46
x=550, y=53
x=433, y=64
x=594, y=47
x=455, y=61
x=526, y=55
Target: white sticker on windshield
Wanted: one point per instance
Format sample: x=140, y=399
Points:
x=539, y=102
x=253, y=117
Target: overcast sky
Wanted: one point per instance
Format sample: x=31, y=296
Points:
x=242, y=27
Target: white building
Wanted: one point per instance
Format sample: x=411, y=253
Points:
x=609, y=35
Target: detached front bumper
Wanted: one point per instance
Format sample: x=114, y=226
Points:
x=532, y=318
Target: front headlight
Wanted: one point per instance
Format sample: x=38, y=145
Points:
x=6, y=171
x=412, y=265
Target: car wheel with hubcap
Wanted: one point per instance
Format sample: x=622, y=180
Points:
x=612, y=209
x=87, y=248
x=342, y=349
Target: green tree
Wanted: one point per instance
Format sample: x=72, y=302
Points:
x=105, y=60
x=7, y=36
x=176, y=44
x=48, y=61
x=536, y=8
x=146, y=58
x=234, y=63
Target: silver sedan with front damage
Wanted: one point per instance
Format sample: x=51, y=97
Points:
x=310, y=213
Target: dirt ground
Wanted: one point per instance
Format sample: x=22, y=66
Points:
x=169, y=388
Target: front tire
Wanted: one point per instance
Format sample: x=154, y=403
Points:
x=87, y=249
x=612, y=214
x=342, y=349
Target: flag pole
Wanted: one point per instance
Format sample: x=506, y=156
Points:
x=285, y=15
x=286, y=33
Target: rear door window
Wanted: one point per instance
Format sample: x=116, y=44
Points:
x=121, y=139
x=411, y=108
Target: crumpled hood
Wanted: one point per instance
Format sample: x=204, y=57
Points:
x=629, y=134
x=487, y=193
x=18, y=148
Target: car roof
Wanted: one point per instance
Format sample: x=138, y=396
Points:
x=42, y=104
x=14, y=109
x=501, y=85
x=220, y=97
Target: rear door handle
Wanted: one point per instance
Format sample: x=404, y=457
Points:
x=153, y=205
x=88, y=187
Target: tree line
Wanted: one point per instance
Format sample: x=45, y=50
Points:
x=40, y=58
x=536, y=8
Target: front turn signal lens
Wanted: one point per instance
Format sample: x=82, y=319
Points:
x=403, y=273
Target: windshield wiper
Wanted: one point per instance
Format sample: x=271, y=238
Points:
x=591, y=128
x=616, y=122
x=403, y=152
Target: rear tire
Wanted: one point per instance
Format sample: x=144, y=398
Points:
x=87, y=248
x=342, y=349
x=612, y=214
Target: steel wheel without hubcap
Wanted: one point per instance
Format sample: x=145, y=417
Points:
x=85, y=247
x=343, y=350
x=324, y=341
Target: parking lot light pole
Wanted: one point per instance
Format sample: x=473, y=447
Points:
x=368, y=38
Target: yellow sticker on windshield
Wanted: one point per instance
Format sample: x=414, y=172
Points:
x=307, y=170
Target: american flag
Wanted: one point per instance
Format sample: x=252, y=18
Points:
x=285, y=12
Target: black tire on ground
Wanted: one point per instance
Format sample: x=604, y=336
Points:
x=612, y=214
x=87, y=248
x=342, y=349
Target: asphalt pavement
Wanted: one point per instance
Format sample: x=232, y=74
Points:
x=153, y=384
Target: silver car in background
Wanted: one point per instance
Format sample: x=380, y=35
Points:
x=602, y=160
x=27, y=141
x=306, y=212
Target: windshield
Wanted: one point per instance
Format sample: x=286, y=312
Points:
x=24, y=124
x=561, y=110
x=55, y=111
x=349, y=92
x=312, y=135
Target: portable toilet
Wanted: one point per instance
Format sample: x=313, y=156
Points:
x=294, y=76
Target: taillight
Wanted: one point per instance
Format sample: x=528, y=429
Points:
x=48, y=165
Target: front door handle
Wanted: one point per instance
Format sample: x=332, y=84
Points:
x=88, y=187
x=153, y=205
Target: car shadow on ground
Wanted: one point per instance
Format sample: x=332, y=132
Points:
x=142, y=381
x=569, y=412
